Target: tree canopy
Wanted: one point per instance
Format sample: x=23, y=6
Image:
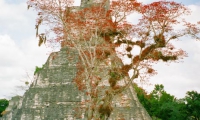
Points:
x=163, y=106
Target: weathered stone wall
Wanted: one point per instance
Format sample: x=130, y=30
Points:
x=54, y=96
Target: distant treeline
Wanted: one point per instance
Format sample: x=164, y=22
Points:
x=162, y=106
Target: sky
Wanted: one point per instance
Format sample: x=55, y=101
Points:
x=20, y=54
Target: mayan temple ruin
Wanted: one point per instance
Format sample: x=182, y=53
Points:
x=54, y=96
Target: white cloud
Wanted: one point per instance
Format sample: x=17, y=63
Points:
x=16, y=20
x=7, y=50
x=17, y=60
x=77, y=2
x=194, y=16
x=10, y=64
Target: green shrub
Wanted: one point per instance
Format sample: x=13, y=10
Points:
x=37, y=69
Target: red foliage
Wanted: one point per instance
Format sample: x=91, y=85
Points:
x=80, y=77
x=136, y=59
x=150, y=70
x=125, y=69
x=129, y=48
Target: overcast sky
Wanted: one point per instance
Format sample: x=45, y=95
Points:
x=19, y=52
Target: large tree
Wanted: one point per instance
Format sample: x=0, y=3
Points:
x=163, y=106
x=98, y=28
x=192, y=100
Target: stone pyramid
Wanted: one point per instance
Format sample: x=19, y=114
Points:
x=54, y=96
